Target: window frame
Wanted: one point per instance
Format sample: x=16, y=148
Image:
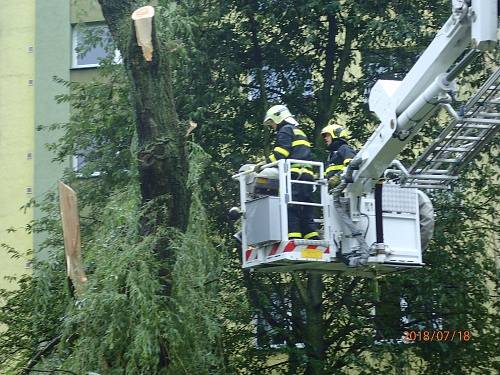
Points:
x=76, y=30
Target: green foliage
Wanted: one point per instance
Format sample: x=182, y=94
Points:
x=193, y=321
x=30, y=316
x=189, y=308
x=100, y=131
x=123, y=321
x=107, y=327
x=287, y=43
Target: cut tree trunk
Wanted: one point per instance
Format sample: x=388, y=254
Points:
x=163, y=164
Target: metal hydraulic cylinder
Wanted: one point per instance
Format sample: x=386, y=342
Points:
x=423, y=106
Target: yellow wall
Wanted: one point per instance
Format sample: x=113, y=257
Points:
x=17, y=32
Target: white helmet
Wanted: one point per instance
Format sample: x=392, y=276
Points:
x=279, y=113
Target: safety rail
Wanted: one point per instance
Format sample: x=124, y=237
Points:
x=320, y=181
x=284, y=169
x=285, y=188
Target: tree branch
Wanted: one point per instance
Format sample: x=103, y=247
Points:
x=301, y=288
x=328, y=72
x=343, y=64
x=47, y=349
x=54, y=370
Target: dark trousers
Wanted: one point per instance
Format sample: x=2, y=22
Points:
x=301, y=218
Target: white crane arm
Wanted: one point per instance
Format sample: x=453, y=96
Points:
x=404, y=106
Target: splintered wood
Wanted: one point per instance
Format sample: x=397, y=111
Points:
x=71, y=231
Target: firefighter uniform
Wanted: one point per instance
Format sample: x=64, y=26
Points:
x=338, y=159
x=292, y=143
x=340, y=152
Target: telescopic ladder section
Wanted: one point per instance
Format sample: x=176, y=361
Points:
x=470, y=130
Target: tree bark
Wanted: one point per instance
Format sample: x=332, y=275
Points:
x=315, y=329
x=162, y=159
x=163, y=164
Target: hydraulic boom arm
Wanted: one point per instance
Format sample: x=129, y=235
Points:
x=404, y=106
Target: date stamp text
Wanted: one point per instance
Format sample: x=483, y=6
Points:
x=437, y=336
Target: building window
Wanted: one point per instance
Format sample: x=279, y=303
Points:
x=91, y=44
x=80, y=162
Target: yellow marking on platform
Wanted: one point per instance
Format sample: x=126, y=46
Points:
x=311, y=253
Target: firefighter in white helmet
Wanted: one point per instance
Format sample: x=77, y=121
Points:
x=336, y=138
x=292, y=143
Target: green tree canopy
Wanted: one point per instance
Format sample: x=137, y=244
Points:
x=168, y=296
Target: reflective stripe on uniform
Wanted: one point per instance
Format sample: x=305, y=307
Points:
x=301, y=170
x=272, y=158
x=301, y=142
x=299, y=132
x=332, y=168
x=282, y=151
x=295, y=235
x=346, y=161
x=312, y=234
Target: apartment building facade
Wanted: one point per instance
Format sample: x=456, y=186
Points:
x=38, y=41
